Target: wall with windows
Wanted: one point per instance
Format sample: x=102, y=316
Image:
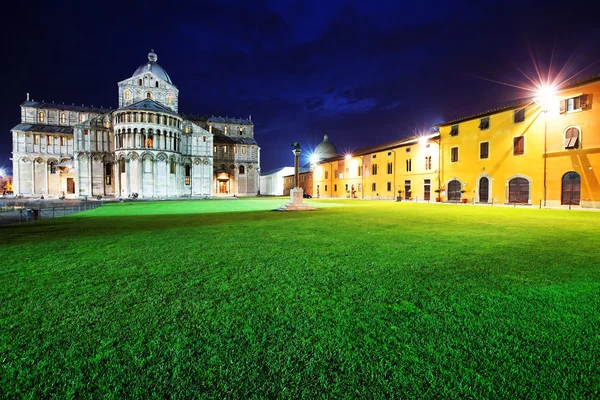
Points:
x=500, y=156
x=379, y=172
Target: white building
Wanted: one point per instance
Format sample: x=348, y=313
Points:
x=145, y=146
x=271, y=183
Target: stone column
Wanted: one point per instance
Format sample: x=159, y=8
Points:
x=296, y=167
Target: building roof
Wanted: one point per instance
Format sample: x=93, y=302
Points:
x=385, y=146
x=325, y=149
x=224, y=120
x=152, y=66
x=222, y=139
x=518, y=104
x=43, y=128
x=149, y=105
x=301, y=170
x=274, y=171
x=65, y=107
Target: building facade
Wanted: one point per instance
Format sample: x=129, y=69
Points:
x=543, y=152
x=409, y=165
x=305, y=176
x=271, y=182
x=145, y=147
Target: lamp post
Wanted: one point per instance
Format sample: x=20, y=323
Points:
x=543, y=98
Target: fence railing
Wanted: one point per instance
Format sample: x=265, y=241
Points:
x=30, y=213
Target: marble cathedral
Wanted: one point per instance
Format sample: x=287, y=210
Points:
x=145, y=147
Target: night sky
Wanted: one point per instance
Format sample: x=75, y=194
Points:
x=363, y=72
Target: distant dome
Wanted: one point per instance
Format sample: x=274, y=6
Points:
x=153, y=67
x=326, y=149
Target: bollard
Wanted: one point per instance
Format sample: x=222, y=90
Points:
x=540, y=204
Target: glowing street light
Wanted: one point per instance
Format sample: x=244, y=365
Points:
x=348, y=157
x=544, y=95
x=314, y=158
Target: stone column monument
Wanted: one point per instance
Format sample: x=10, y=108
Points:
x=297, y=193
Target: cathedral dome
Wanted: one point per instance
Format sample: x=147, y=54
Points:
x=326, y=149
x=153, y=67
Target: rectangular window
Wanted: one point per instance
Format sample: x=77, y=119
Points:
x=373, y=186
x=335, y=188
x=374, y=167
x=484, y=123
x=519, y=115
x=346, y=187
x=484, y=150
x=235, y=149
x=243, y=149
x=215, y=149
x=49, y=139
x=428, y=162
x=62, y=140
x=36, y=139
x=336, y=174
x=187, y=180
x=408, y=165
x=389, y=186
x=224, y=149
x=389, y=153
x=408, y=149
x=326, y=188
x=108, y=180
x=573, y=103
x=518, y=145
x=360, y=170
x=326, y=174
x=172, y=166
x=454, y=154
x=454, y=130
x=374, y=156
x=390, y=168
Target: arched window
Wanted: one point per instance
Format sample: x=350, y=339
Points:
x=41, y=115
x=63, y=118
x=173, y=167
x=147, y=165
x=148, y=95
x=127, y=94
x=204, y=138
x=188, y=174
x=571, y=188
x=169, y=99
x=82, y=118
x=122, y=165
x=156, y=83
x=140, y=82
x=53, y=167
x=242, y=170
x=572, y=138
x=108, y=173
x=454, y=188
x=518, y=191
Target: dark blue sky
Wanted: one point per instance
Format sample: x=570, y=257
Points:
x=363, y=72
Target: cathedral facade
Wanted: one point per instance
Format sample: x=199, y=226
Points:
x=144, y=148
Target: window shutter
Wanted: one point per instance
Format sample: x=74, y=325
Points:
x=583, y=101
x=563, y=106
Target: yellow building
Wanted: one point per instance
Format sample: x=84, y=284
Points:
x=379, y=172
x=540, y=152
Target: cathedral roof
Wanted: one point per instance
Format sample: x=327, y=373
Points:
x=225, y=120
x=222, y=139
x=326, y=149
x=148, y=105
x=43, y=128
x=65, y=107
x=153, y=67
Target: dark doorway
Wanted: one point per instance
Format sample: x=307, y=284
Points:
x=571, y=188
x=454, y=188
x=518, y=191
x=484, y=190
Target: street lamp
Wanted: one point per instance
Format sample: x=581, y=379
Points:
x=544, y=96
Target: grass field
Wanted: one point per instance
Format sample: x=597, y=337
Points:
x=359, y=299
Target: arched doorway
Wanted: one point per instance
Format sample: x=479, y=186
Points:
x=571, y=187
x=484, y=190
x=518, y=191
x=454, y=188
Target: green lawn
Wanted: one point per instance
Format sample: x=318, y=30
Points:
x=356, y=300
